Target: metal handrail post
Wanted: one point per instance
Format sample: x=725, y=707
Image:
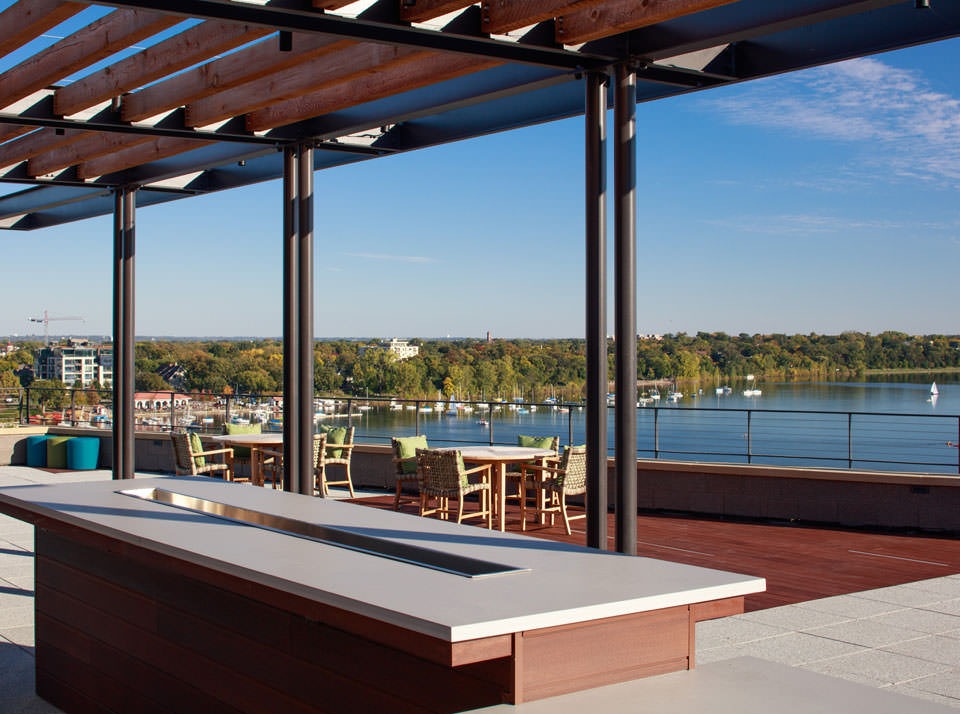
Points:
x=417, y=418
x=850, y=440
x=490, y=423
x=749, y=436
x=656, y=432
x=570, y=429
x=173, y=411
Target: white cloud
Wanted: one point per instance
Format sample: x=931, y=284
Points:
x=897, y=117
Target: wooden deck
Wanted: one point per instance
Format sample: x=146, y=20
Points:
x=799, y=562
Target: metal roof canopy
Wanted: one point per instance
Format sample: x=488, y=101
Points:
x=282, y=88
x=387, y=84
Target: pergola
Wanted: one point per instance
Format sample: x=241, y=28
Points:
x=150, y=101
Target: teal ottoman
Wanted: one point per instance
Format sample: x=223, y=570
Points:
x=37, y=450
x=83, y=453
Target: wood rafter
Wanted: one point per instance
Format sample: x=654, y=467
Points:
x=11, y=131
x=193, y=45
x=93, y=43
x=615, y=16
x=40, y=141
x=144, y=152
x=25, y=20
x=422, y=10
x=91, y=145
x=418, y=72
x=505, y=15
x=340, y=66
x=244, y=65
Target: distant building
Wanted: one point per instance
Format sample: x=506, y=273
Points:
x=74, y=360
x=402, y=349
x=174, y=375
x=159, y=400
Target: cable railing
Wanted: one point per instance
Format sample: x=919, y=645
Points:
x=828, y=439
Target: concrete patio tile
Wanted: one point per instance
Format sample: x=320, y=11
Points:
x=15, y=615
x=935, y=648
x=867, y=633
x=792, y=617
x=879, y=666
x=946, y=684
x=950, y=607
x=852, y=606
x=903, y=595
x=716, y=654
x=732, y=630
x=922, y=620
x=920, y=694
x=24, y=636
x=949, y=587
x=794, y=648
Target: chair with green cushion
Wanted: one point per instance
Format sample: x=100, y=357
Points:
x=337, y=450
x=241, y=454
x=553, y=482
x=514, y=476
x=405, y=462
x=191, y=459
x=443, y=476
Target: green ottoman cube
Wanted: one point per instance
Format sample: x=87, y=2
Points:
x=57, y=451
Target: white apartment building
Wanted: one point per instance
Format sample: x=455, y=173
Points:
x=75, y=360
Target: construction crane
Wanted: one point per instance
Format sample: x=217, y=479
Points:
x=46, y=320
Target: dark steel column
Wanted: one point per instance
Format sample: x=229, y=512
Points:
x=129, y=329
x=595, y=120
x=291, y=321
x=625, y=253
x=119, y=405
x=305, y=308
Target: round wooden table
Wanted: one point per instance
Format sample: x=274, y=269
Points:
x=255, y=442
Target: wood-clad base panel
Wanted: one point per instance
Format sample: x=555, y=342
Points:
x=123, y=629
x=559, y=660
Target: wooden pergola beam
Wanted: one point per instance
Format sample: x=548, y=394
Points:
x=96, y=41
x=11, y=131
x=193, y=45
x=249, y=63
x=40, y=141
x=151, y=150
x=91, y=145
x=333, y=67
x=425, y=69
x=28, y=19
x=615, y=16
x=501, y=16
x=428, y=9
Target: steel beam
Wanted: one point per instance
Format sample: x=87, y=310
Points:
x=291, y=325
x=595, y=194
x=124, y=369
x=119, y=406
x=625, y=262
x=305, y=408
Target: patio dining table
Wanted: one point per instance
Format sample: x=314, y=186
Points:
x=256, y=443
x=499, y=457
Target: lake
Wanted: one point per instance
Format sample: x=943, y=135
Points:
x=882, y=423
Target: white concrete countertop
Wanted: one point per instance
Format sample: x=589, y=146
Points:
x=564, y=584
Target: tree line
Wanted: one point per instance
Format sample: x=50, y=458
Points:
x=473, y=369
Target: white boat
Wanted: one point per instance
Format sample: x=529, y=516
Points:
x=933, y=390
x=655, y=395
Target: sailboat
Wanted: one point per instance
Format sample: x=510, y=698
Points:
x=934, y=392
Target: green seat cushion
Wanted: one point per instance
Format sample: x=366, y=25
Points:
x=242, y=452
x=335, y=435
x=195, y=446
x=57, y=452
x=535, y=442
x=407, y=451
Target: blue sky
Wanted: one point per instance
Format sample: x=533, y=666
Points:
x=820, y=201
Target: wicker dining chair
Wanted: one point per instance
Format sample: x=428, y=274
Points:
x=337, y=450
x=443, y=476
x=191, y=459
x=553, y=483
x=405, y=463
x=515, y=489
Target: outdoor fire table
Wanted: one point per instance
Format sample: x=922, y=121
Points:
x=191, y=594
